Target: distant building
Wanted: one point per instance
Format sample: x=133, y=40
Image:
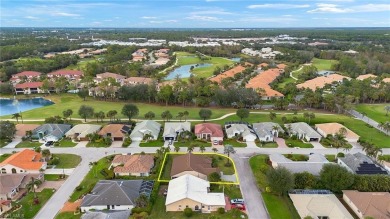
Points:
x=366, y=76
x=320, y=82
x=27, y=75
x=125, y=214
x=325, y=72
x=29, y=88
x=173, y=129
x=137, y=80
x=117, y=77
x=69, y=74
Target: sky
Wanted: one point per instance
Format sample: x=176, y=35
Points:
x=195, y=13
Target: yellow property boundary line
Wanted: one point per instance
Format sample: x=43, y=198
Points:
x=207, y=153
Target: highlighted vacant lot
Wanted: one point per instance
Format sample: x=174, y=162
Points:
x=376, y=112
x=220, y=161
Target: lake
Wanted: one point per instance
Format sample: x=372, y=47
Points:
x=184, y=71
x=11, y=106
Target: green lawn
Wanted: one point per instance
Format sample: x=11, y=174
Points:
x=72, y=101
x=66, y=142
x=297, y=143
x=195, y=142
x=374, y=111
x=52, y=177
x=28, y=144
x=100, y=144
x=3, y=157
x=233, y=191
x=68, y=215
x=286, y=81
x=297, y=157
x=331, y=157
x=166, y=172
x=277, y=206
x=267, y=145
x=233, y=143
x=156, y=143
x=323, y=64
x=29, y=210
x=221, y=161
x=67, y=161
x=185, y=58
x=3, y=142
x=90, y=179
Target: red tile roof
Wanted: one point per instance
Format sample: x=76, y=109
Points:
x=29, y=85
x=320, y=82
x=27, y=74
x=214, y=129
x=228, y=74
x=262, y=81
x=26, y=159
x=110, y=75
x=66, y=72
x=133, y=163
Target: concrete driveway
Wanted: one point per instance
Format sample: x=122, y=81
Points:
x=281, y=143
x=251, y=144
x=134, y=144
x=14, y=142
x=254, y=203
x=317, y=145
x=116, y=144
x=81, y=144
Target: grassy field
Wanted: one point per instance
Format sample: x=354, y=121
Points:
x=234, y=143
x=65, y=142
x=72, y=101
x=67, y=161
x=29, y=210
x=374, y=111
x=323, y=64
x=185, y=58
x=277, y=206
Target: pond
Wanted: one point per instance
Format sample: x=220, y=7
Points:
x=236, y=59
x=184, y=71
x=11, y=106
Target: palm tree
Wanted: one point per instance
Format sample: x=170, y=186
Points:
x=180, y=115
x=276, y=129
x=229, y=150
x=202, y=148
x=46, y=154
x=177, y=148
x=16, y=116
x=272, y=115
x=387, y=108
x=190, y=148
x=31, y=187
x=96, y=115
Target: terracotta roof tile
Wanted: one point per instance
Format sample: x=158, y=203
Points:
x=114, y=129
x=214, y=129
x=262, y=81
x=192, y=162
x=26, y=159
x=110, y=75
x=363, y=77
x=27, y=73
x=372, y=204
x=228, y=74
x=133, y=163
x=320, y=82
x=29, y=85
x=333, y=128
x=22, y=128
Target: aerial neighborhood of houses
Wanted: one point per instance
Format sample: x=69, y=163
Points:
x=172, y=130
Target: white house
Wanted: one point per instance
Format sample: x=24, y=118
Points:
x=240, y=129
x=145, y=127
x=266, y=131
x=303, y=131
x=173, y=129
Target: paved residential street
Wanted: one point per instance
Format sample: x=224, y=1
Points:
x=253, y=200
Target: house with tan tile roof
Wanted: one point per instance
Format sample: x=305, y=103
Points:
x=193, y=164
x=11, y=184
x=386, y=80
x=133, y=165
x=80, y=132
x=118, y=78
x=366, y=76
x=22, y=129
x=29, y=88
x=261, y=83
x=333, y=128
x=70, y=74
x=137, y=80
x=29, y=75
x=26, y=161
x=228, y=74
x=116, y=131
x=320, y=82
x=368, y=204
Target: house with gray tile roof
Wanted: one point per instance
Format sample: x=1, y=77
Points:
x=266, y=131
x=115, y=194
x=303, y=131
x=50, y=132
x=237, y=129
x=313, y=165
x=173, y=129
x=145, y=127
x=106, y=215
x=360, y=164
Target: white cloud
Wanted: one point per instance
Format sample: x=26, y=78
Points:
x=202, y=18
x=333, y=8
x=163, y=21
x=278, y=6
x=269, y=19
x=64, y=14
x=219, y=12
x=31, y=17
x=147, y=17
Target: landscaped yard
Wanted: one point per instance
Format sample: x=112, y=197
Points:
x=156, y=143
x=89, y=181
x=66, y=142
x=267, y=145
x=72, y=101
x=374, y=111
x=3, y=142
x=29, y=210
x=234, y=143
x=28, y=144
x=277, y=206
x=292, y=143
x=221, y=161
x=331, y=157
x=196, y=143
x=52, y=177
x=100, y=144
x=297, y=157
x=67, y=161
x=166, y=171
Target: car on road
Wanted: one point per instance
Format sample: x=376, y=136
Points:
x=49, y=143
x=237, y=201
x=239, y=207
